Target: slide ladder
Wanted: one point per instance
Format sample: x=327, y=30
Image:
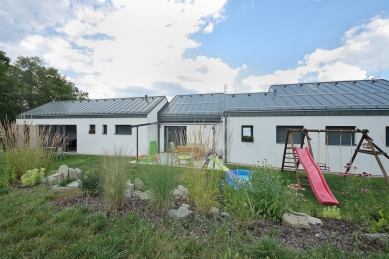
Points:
x=315, y=176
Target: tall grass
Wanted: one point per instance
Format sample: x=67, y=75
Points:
x=26, y=147
x=161, y=179
x=113, y=175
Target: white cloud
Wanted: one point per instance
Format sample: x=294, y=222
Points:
x=209, y=28
x=146, y=41
x=358, y=57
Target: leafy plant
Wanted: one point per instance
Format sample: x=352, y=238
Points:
x=32, y=177
x=331, y=212
x=90, y=183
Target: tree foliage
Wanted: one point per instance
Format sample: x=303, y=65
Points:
x=28, y=83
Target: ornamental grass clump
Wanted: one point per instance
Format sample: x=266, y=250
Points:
x=161, y=179
x=269, y=195
x=113, y=176
x=26, y=147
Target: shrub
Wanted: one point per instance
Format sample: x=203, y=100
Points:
x=331, y=212
x=32, y=177
x=161, y=179
x=113, y=176
x=90, y=183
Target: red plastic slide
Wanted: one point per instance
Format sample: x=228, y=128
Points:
x=315, y=177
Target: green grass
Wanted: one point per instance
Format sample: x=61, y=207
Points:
x=32, y=227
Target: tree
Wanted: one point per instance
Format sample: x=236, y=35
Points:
x=31, y=84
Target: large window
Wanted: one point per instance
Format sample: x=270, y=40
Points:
x=340, y=138
x=247, y=134
x=281, y=134
x=92, y=129
x=387, y=136
x=123, y=130
x=104, y=129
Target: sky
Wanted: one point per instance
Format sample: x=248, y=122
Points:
x=129, y=48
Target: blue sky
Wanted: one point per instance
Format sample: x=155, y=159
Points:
x=125, y=48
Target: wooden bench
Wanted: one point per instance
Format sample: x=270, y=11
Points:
x=189, y=150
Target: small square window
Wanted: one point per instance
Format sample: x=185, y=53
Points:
x=247, y=134
x=104, y=129
x=340, y=138
x=92, y=129
x=281, y=134
x=123, y=130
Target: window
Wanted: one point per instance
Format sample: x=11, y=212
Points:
x=387, y=136
x=92, y=129
x=123, y=130
x=247, y=134
x=334, y=138
x=104, y=129
x=281, y=134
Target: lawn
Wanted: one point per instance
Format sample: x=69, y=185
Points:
x=32, y=226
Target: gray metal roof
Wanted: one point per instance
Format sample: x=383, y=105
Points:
x=359, y=95
x=199, y=107
x=118, y=107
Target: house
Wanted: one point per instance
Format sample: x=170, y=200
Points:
x=93, y=125
x=245, y=127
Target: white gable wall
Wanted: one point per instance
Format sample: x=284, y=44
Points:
x=265, y=146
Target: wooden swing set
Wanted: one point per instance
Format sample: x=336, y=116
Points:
x=368, y=147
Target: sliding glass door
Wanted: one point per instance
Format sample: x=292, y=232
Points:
x=175, y=134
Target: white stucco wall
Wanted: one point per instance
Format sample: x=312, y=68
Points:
x=265, y=146
x=96, y=143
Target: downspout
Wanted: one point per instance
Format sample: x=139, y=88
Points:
x=225, y=124
x=137, y=130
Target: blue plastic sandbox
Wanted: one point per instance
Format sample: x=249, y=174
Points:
x=242, y=175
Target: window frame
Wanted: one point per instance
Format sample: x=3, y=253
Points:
x=92, y=129
x=247, y=138
x=282, y=139
x=387, y=135
x=105, y=129
x=123, y=133
x=345, y=140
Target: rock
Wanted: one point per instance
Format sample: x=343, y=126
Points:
x=173, y=205
x=74, y=184
x=142, y=195
x=73, y=174
x=317, y=235
x=78, y=171
x=64, y=169
x=214, y=210
x=59, y=188
x=127, y=193
x=138, y=184
x=299, y=220
x=186, y=206
x=181, y=191
x=130, y=186
x=225, y=214
x=54, y=179
x=180, y=213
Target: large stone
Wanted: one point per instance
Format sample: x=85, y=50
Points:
x=130, y=186
x=181, y=191
x=54, y=179
x=78, y=171
x=74, y=184
x=138, y=184
x=378, y=236
x=127, y=193
x=73, y=174
x=64, y=170
x=299, y=220
x=142, y=195
x=180, y=213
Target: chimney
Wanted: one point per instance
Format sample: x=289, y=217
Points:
x=147, y=100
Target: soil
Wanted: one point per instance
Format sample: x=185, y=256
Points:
x=344, y=234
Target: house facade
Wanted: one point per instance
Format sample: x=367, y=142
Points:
x=245, y=128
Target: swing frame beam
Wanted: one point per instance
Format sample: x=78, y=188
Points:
x=372, y=149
